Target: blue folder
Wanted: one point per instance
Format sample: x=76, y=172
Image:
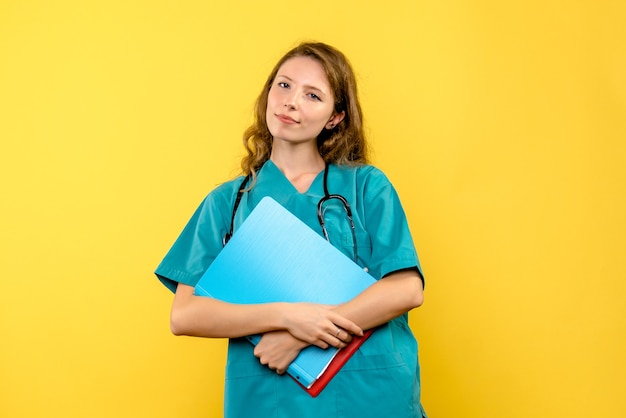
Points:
x=275, y=257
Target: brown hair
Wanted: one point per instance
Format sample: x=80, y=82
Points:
x=344, y=144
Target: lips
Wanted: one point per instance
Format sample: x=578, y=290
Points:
x=286, y=119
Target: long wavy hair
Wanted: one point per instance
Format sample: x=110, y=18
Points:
x=344, y=144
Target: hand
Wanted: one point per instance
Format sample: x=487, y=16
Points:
x=277, y=349
x=319, y=325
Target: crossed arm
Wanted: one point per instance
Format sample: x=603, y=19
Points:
x=289, y=327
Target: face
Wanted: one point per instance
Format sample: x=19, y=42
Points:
x=300, y=102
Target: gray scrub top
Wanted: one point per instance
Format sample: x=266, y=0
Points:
x=383, y=378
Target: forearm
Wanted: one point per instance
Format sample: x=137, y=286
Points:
x=206, y=317
x=386, y=299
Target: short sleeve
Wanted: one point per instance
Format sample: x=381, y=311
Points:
x=199, y=242
x=392, y=243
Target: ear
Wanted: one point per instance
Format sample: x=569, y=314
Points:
x=335, y=119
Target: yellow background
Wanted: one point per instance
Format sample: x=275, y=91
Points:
x=502, y=124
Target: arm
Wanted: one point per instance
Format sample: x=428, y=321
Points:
x=401, y=287
x=206, y=317
x=391, y=296
x=394, y=295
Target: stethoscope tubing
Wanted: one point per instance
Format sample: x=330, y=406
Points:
x=320, y=211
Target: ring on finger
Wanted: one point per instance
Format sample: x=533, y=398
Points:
x=338, y=331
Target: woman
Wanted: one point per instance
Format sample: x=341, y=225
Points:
x=307, y=139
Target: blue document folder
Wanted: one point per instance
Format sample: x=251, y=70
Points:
x=275, y=257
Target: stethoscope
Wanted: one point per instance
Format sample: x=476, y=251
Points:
x=320, y=211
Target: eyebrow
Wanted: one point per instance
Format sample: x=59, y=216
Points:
x=306, y=86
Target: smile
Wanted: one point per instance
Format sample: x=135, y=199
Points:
x=286, y=119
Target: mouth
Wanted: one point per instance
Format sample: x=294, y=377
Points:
x=286, y=119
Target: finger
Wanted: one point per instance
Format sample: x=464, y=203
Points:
x=344, y=336
x=330, y=338
x=347, y=325
x=333, y=338
x=323, y=343
x=266, y=362
x=338, y=336
x=257, y=352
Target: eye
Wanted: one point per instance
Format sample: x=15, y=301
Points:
x=282, y=84
x=315, y=97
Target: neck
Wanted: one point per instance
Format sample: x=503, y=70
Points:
x=300, y=165
x=294, y=161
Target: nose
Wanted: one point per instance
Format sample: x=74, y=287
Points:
x=291, y=101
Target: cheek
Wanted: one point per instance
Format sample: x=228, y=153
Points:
x=322, y=116
x=271, y=103
x=273, y=96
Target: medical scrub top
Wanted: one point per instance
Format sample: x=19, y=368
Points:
x=382, y=379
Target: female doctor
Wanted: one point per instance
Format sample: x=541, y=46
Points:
x=306, y=147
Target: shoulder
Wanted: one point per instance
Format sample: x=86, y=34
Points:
x=227, y=188
x=222, y=196
x=366, y=177
x=362, y=170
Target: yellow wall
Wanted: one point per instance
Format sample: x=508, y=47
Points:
x=502, y=125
